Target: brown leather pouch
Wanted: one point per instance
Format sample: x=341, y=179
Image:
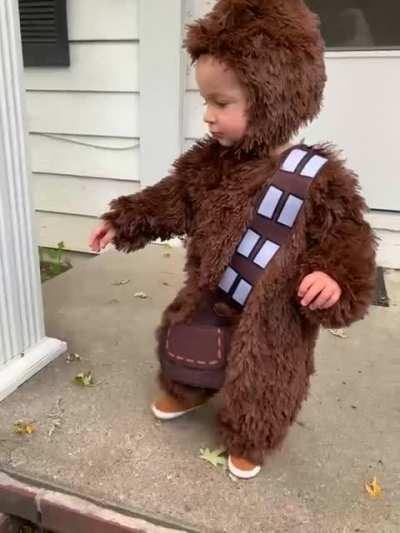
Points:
x=195, y=354
x=197, y=346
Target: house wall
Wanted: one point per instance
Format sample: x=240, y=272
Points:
x=84, y=122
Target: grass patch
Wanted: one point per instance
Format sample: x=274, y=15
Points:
x=53, y=262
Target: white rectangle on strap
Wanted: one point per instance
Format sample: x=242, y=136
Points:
x=228, y=279
x=290, y=211
x=242, y=291
x=312, y=168
x=248, y=242
x=270, y=201
x=266, y=253
x=293, y=159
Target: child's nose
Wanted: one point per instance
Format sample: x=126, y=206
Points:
x=208, y=117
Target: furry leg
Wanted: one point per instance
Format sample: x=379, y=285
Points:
x=252, y=425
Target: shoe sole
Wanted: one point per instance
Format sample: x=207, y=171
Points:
x=163, y=415
x=243, y=474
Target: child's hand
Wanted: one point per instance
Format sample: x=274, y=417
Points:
x=320, y=290
x=101, y=237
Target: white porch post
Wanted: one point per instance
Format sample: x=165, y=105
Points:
x=24, y=349
x=162, y=78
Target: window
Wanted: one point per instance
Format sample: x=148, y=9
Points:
x=44, y=32
x=359, y=24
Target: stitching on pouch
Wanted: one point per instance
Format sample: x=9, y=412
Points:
x=210, y=363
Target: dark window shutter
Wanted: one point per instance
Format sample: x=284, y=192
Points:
x=44, y=32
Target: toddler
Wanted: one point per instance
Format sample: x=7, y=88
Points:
x=277, y=245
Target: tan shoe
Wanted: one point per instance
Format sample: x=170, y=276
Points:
x=167, y=407
x=242, y=468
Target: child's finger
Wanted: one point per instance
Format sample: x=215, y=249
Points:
x=104, y=242
x=91, y=240
x=305, y=285
x=332, y=301
x=312, y=292
x=94, y=236
x=94, y=246
x=322, y=299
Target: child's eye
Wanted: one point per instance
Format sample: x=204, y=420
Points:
x=221, y=105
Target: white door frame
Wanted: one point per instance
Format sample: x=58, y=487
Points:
x=24, y=348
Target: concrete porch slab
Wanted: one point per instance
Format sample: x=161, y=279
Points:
x=109, y=447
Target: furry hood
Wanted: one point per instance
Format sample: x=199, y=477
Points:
x=276, y=50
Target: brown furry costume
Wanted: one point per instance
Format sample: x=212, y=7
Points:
x=275, y=48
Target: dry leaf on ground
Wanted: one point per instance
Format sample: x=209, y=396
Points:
x=141, y=295
x=86, y=380
x=338, y=333
x=71, y=357
x=24, y=428
x=373, y=488
x=215, y=457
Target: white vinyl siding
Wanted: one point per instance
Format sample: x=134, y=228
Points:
x=84, y=113
x=84, y=122
x=103, y=20
x=120, y=159
x=70, y=194
x=93, y=68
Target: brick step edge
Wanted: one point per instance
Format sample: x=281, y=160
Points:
x=64, y=513
x=9, y=524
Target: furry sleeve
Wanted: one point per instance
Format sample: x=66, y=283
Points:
x=160, y=211
x=340, y=243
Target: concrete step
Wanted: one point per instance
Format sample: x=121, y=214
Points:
x=103, y=444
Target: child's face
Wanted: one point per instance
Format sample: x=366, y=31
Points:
x=224, y=98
